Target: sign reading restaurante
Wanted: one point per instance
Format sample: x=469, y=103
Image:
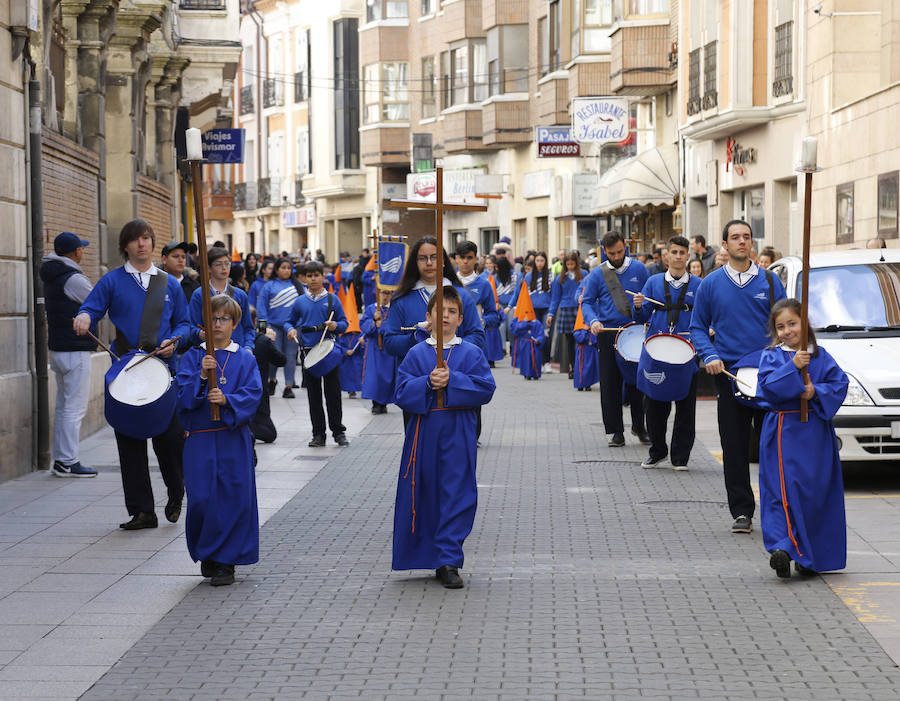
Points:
x=600, y=120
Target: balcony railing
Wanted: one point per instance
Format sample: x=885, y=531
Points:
x=694, y=104
x=301, y=94
x=201, y=4
x=710, y=95
x=268, y=192
x=298, y=189
x=273, y=93
x=247, y=99
x=244, y=196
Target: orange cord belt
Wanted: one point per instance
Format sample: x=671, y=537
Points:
x=784, y=502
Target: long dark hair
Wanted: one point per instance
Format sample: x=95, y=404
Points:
x=571, y=255
x=504, y=270
x=411, y=271
x=793, y=305
x=545, y=273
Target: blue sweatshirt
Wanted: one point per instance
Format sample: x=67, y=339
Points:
x=243, y=334
x=483, y=294
x=122, y=297
x=307, y=312
x=275, y=301
x=540, y=299
x=563, y=294
x=597, y=304
x=657, y=316
x=253, y=294
x=505, y=292
x=739, y=315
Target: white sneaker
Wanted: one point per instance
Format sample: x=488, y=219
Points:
x=548, y=369
x=680, y=468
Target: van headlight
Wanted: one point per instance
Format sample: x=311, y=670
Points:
x=856, y=395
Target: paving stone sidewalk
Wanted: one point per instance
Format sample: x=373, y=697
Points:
x=586, y=576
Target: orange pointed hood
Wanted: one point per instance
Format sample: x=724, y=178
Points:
x=349, y=304
x=524, y=307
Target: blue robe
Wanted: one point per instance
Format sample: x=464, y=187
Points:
x=529, y=339
x=370, y=293
x=379, y=366
x=493, y=341
x=436, y=489
x=801, y=488
x=351, y=367
x=222, y=522
x=587, y=361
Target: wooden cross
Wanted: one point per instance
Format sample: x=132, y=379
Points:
x=439, y=207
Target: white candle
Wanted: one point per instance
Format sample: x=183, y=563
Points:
x=194, y=145
x=808, y=153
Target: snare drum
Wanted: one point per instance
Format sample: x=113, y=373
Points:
x=139, y=403
x=667, y=367
x=746, y=389
x=322, y=358
x=629, y=344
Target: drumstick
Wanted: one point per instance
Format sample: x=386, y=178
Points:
x=414, y=328
x=736, y=379
x=613, y=328
x=649, y=299
x=102, y=345
x=150, y=355
x=325, y=330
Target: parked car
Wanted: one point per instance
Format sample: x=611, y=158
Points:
x=854, y=307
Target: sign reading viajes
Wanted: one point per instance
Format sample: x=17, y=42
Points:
x=391, y=262
x=599, y=120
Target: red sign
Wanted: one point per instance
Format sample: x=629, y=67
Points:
x=559, y=150
x=737, y=157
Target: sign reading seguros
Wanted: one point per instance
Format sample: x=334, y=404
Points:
x=599, y=120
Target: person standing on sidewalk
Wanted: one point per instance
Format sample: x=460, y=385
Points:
x=174, y=260
x=65, y=288
x=147, y=307
x=677, y=288
x=606, y=304
x=735, y=301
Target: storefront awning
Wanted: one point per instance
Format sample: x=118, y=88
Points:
x=650, y=178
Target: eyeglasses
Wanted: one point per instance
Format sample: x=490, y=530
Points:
x=224, y=265
x=427, y=259
x=221, y=320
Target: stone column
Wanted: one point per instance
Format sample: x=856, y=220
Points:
x=71, y=10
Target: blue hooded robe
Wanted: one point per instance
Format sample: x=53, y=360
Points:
x=379, y=366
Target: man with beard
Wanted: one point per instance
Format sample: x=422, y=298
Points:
x=607, y=305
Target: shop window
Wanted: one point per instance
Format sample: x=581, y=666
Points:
x=887, y=204
x=844, y=214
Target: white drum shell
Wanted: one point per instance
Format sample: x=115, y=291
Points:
x=143, y=384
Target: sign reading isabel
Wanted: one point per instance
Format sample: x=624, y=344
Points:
x=556, y=142
x=223, y=145
x=599, y=120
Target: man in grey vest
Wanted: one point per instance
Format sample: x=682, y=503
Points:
x=65, y=288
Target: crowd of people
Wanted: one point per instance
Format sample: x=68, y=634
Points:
x=596, y=316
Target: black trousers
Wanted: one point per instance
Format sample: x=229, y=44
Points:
x=611, y=390
x=332, y=385
x=735, y=421
x=261, y=425
x=135, y=467
x=565, y=350
x=683, y=429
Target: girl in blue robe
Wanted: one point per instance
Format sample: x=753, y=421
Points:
x=222, y=524
x=801, y=489
x=351, y=368
x=436, y=489
x=587, y=370
x=529, y=340
x=379, y=366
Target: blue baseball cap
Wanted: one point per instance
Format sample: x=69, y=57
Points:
x=67, y=242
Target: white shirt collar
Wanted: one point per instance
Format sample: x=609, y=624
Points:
x=741, y=279
x=430, y=288
x=455, y=341
x=677, y=282
x=231, y=347
x=316, y=298
x=129, y=268
x=620, y=270
x=469, y=279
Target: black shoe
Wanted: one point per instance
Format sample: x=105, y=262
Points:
x=139, y=521
x=581, y=389
x=208, y=568
x=641, y=435
x=272, y=384
x=654, y=462
x=617, y=440
x=223, y=576
x=449, y=577
x=173, y=510
x=781, y=563
x=588, y=389
x=805, y=571
x=378, y=408
x=341, y=440
x=288, y=393
x=571, y=374
x=491, y=364
x=351, y=395
x=317, y=442
x=742, y=524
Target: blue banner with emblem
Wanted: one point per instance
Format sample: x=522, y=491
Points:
x=391, y=263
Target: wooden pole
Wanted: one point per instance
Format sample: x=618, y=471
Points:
x=438, y=316
x=196, y=186
x=804, y=298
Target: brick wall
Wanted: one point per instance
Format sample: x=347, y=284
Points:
x=70, y=175
x=154, y=206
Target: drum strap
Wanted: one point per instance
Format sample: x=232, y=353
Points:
x=151, y=317
x=673, y=311
x=616, y=291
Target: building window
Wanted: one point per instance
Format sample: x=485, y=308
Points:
x=639, y=8
x=428, y=7
x=693, y=106
x=591, y=20
x=844, y=229
x=346, y=94
x=395, y=78
x=507, y=59
x=459, y=75
x=429, y=87
x=371, y=86
x=301, y=65
x=784, y=45
x=710, y=95
x=543, y=46
x=554, y=55
x=467, y=72
x=385, y=9
x=888, y=191
x=273, y=87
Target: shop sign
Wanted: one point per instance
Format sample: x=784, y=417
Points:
x=556, y=142
x=600, y=120
x=459, y=186
x=736, y=156
x=538, y=183
x=583, y=187
x=223, y=145
x=304, y=216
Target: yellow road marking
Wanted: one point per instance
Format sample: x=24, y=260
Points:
x=717, y=454
x=855, y=598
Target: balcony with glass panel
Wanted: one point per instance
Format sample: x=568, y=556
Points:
x=497, y=12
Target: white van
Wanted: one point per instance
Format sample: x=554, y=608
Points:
x=854, y=307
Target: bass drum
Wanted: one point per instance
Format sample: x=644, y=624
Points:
x=629, y=344
x=140, y=402
x=322, y=358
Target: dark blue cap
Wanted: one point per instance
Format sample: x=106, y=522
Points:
x=67, y=242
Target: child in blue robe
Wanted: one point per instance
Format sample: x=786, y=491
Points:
x=351, y=369
x=587, y=372
x=222, y=524
x=436, y=489
x=379, y=366
x=529, y=339
x=801, y=488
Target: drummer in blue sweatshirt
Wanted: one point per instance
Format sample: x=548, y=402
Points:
x=309, y=316
x=274, y=307
x=123, y=293
x=735, y=300
x=678, y=289
x=606, y=304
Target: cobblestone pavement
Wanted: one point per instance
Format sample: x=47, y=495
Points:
x=586, y=577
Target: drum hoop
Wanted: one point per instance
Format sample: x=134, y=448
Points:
x=671, y=335
x=616, y=341
x=737, y=385
x=320, y=344
x=146, y=363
